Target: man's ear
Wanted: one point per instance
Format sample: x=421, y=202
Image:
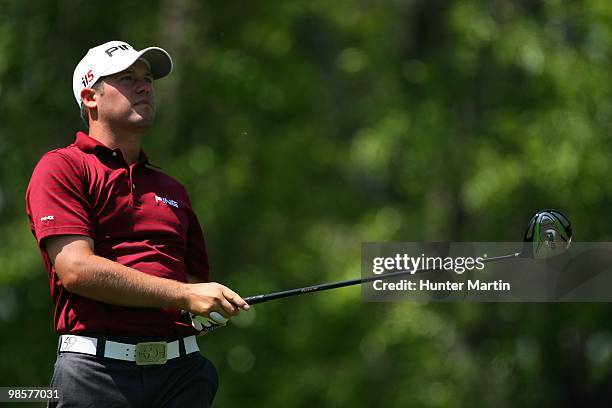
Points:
x=88, y=96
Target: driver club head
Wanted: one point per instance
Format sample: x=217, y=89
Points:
x=549, y=233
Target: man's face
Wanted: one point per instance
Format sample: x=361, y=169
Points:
x=127, y=99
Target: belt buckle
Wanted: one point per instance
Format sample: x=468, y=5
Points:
x=155, y=352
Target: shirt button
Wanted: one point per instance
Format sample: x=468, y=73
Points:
x=133, y=185
x=114, y=154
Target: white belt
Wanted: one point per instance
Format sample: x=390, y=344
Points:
x=122, y=351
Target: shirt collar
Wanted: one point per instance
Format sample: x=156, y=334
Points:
x=90, y=145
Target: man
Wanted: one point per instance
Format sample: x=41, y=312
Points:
x=123, y=249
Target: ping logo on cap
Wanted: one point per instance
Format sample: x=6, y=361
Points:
x=109, y=51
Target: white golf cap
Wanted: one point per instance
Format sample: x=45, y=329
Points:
x=115, y=56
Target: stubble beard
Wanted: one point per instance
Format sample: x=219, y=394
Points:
x=136, y=123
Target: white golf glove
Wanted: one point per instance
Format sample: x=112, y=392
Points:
x=213, y=321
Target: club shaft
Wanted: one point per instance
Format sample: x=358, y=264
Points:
x=253, y=300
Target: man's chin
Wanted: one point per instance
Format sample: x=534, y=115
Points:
x=134, y=123
x=142, y=123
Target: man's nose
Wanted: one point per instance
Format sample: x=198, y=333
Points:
x=143, y=86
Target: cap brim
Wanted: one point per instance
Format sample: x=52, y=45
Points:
x=159, y=61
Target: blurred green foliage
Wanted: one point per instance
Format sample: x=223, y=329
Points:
x=301, y=129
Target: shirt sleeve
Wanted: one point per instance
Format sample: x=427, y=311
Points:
x=196, y=257
x=56, y=198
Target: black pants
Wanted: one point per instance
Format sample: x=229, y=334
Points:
x=90, y=381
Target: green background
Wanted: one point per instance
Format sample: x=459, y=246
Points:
x=303, y=128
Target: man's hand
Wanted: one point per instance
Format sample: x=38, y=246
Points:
x=203, y=298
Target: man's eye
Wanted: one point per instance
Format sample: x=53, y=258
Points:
x=126, y=78
x=149, y=80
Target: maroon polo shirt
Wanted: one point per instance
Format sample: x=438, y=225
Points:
x=136, y=215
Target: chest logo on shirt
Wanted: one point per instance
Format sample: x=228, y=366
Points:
x=47, y=218
x=166, y=201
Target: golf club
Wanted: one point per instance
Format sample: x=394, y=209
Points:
x=549, y=233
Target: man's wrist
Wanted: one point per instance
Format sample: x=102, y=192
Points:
x=183, y=296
